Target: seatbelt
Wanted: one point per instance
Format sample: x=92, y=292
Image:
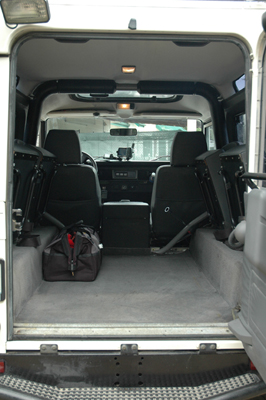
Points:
x=182, y=233
x=168, y=209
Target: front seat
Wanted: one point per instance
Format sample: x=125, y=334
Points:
x=75, y=192
x=177, y=198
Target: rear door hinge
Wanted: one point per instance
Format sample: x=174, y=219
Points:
x=16, y=220
x=129, y=349
x=48, y=348
x=205, y=348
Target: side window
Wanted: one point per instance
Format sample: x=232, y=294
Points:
x=240, y=83
x=241, y=128
x=210, y=139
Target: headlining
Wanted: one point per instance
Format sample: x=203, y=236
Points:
x=39, y=60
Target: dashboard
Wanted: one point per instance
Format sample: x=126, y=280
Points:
x=127, y=180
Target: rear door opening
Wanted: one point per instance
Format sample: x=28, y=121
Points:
x=197, y=284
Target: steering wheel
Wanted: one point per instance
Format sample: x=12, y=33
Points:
x=89, y=160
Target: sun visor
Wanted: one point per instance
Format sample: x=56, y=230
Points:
x=166, y=87
x=86, y=86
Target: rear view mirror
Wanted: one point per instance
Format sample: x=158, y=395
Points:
x=123, y=132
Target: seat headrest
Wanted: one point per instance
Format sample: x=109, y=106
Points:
x=186, y=147
x=65, y=145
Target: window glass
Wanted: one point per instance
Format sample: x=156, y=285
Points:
x=210, y=139
x=240, y=83
x=241, y=128
x=152, y=142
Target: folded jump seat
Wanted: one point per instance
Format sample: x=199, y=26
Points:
x=32, y=173
x=208, y=169
x=233, y=165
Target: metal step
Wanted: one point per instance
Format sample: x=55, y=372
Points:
x=16, y=388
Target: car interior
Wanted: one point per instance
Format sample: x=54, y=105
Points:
x=144, y=139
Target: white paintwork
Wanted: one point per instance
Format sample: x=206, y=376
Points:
x=174, y=16
x=4, y=110
x=115, y=345
x=241, y=20
x=4, y=113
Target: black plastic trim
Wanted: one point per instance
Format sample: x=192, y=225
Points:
x=22, y=98
x=192, y=43
x=13, y=394
x=191, y=88
x=263, y=20
x=254, y=175
x=234, y=106
x=99, y=369
x=245, y=393
x=236, y=102
x=60, y=86
x=3, y=284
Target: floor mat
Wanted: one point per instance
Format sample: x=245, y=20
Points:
x=131, y=289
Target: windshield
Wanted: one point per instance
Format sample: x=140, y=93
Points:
x=152, y=142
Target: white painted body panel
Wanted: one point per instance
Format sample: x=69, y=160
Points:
x=241, y=20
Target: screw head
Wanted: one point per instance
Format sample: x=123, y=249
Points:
x=134, y=347
x=43, y=347
x=213, y=347
x=124, y=347
x=54, y=347
x=203, y=347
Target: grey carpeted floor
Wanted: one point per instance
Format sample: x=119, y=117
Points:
x=131, y=289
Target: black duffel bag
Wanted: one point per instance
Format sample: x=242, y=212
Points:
x=73, y=255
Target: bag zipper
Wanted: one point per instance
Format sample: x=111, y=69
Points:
x=72, y=264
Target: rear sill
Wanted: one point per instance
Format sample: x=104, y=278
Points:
x=220, y=330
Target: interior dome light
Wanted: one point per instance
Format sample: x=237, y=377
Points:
x=128, y=70
x=121, y=106
x=25, y=11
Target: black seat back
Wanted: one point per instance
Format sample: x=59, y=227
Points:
x=75, y=192
x=177, y=197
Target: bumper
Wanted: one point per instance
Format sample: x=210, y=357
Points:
x=241, y=387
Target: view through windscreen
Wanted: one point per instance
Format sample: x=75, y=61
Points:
x=152, y=142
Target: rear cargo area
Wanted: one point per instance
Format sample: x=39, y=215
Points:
x=199, y=285
x=152, y=289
